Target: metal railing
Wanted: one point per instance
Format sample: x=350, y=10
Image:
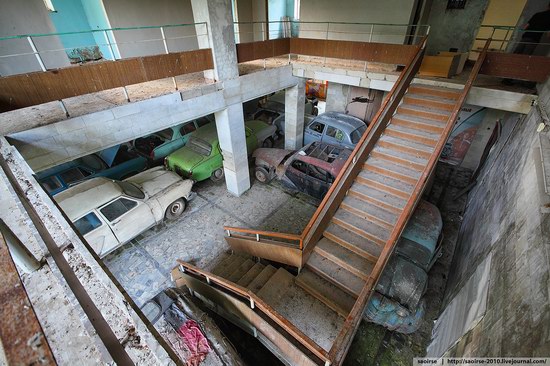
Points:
x=343, y=31
x=504, y=38
x=40, y=52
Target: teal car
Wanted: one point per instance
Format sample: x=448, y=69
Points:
x=201, y=158
x=160, y=144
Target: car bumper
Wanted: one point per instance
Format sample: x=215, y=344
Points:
x=191, y=196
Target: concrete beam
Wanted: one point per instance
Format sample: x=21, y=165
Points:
x=54, y=144
x=295, y=99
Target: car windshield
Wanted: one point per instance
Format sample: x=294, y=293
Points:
x=357, y=134
x=131, y=189
x=200, y=146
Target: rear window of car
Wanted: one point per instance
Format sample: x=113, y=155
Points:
x=117, y=208
x=87, y=223
x=51, y=184
x=131, y=190
x=200, y=146
x=266, y=116
x=357, y=134
x=187, y=128
x=73, y=175
x=165, y=134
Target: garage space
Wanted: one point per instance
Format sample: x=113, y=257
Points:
x=286, y=182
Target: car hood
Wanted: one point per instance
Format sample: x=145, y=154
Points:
x=272, y=157
x=154, y=180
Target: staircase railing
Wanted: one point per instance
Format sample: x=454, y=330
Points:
x=314, y=229
x=343, y=340
x=259, y=305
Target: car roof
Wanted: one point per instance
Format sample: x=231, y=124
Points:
x=342, y=120
x=85, y=196
x=317, y=155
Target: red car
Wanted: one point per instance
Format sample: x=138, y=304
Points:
x=310, y=170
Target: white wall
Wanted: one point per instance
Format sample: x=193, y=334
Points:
x=27, y=17
x=356, y=11
x=137, y=13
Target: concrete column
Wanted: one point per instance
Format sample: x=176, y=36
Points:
x=295, y=99
x=337, y=97
x=221, y=35
x=231, y=133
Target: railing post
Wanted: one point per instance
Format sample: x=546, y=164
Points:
x=109, y=45
x=36, y=54
x=504, y=40
x=257, y=237
x=251, y=303
x=167, y=52
x=326, y=39
x=371, y=32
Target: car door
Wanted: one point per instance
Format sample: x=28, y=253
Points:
x=127, y=217
x=296, y=174
x=185, y=131
x=97, y=232
x=334, y=136
x=171, y=143
x=314, y=132
x=251, y=140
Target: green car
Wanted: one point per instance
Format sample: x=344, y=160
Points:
x=201, y=158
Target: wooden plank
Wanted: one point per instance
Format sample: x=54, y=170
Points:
x=250, y=51
x=240, y=271
x=275, y=288
x=257, y=283
x=275, y=251
x=251, y=275
x=30, y=89
x=515, y=66
x=358, y=265
x=438, y=66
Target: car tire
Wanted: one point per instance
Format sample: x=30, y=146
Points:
x=175, y=209
x=262, y=175
x=268, y=142
x=217, y=175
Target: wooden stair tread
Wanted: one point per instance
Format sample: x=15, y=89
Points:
x=377, y=214
x=222, y=265
x=384, y=180
x=410, y=146
x=329, y=294
x=438, y=102
x=274, y=289
x=335, y=274
x=435, y=90
x=240, y=271
x=425, y=112
x=232, y=265
x=409, y=158
x=354, y=242
x=251, y=274
x=377, y=197
x=356, y=264
x=429, y=135
x=362, y=227
x=400, y=169
x=434, y=98
x=260, y=280
x=418, y=123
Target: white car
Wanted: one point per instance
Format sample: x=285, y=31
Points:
x=110, y=213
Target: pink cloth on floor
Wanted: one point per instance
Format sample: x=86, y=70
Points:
x=195, y=341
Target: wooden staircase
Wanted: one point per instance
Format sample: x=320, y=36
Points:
x=343, y=259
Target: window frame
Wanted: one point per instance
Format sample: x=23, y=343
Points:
x=115, y=220
x=97, y=216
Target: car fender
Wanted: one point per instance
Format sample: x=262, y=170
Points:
x=265, y=133
x=169, y=194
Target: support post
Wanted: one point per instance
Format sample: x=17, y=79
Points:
x=295, y=100
x=36, y=53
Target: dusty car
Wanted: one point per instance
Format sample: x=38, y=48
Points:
x=116, y=162
x=397, y=302
x=336, y=129
x=201, y=158
x=109, y=213
x=310, y=170
x=158, y=145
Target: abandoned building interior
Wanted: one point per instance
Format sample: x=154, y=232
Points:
x=274, y=182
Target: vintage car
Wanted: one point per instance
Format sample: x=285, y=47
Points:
x=272, y=111
x=201, y=158
x=116, y=162
x=397, y=302
x=158, y=145
x=310, y=170
x=336, y=129
x=109, y=213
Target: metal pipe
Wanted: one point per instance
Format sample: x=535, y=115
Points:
x=371, y=32
x=36, y=53
x=109, y=44
x=64, y=108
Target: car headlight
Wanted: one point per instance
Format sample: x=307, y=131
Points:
x=402, y=312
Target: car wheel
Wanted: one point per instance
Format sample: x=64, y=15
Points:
x=217, y=175
x=175, y=209
x=268, y=142
x=262, y=175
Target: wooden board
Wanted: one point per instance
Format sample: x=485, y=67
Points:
x=30, y=89
x=262, y=49
x=513, y=66
x=439, y=66
x=290, y=255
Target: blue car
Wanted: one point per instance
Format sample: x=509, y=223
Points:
x=114, y=163
x=397, y=302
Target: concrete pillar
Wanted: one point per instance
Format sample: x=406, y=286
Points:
x=337, y=97
x=295, y=99
x=221, y=35
x=231, y=133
